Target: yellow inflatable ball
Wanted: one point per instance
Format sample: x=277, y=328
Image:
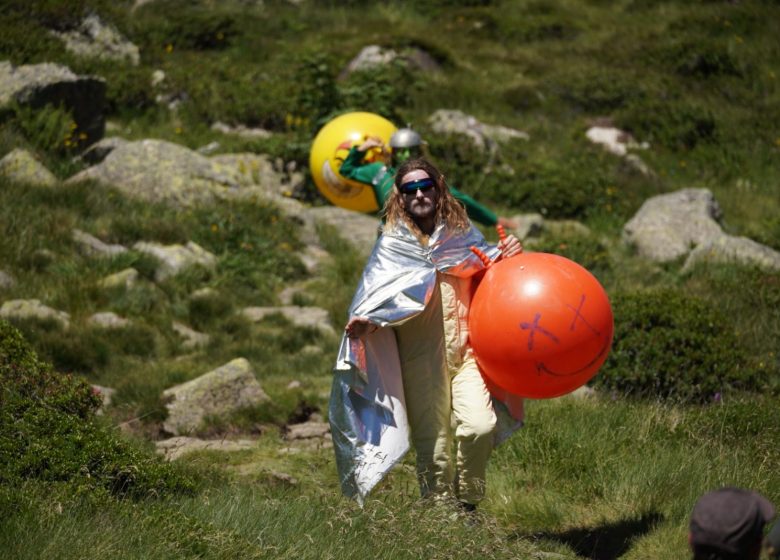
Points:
x=331, y=146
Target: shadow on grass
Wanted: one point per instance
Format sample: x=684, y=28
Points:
x=603, y=542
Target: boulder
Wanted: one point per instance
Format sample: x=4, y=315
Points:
x=307, y=430
x=38, y=85
x=218, y=393
x=192, y=338
x=619, y=142
x=666, y=227
x=176, y=447
x=485, y=137
x=373, y=56
x=729, y=248
x=241, y=130
x=91, y=246
x=6, y=281
x=106, y=395
x=159, y=171
x=33, y=309
x=361, y=230
x=528, y=225
x=107, y=320
x=126, y=279
x=98, y=151
x=247, y=169
x=20, y=166
x=299, y=316
x=94, y=38
x=176, y=258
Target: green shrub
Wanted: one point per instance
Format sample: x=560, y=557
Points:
x=50, y=128
x=586, y=250
x=48, y=432
x=670, y=345
x=593, y=89
x=186, y=25
x=382, y=90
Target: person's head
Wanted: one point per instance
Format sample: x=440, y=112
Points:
x=420, y=197
x=728, y=524
x=406, y=144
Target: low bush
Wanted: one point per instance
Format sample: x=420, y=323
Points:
x=49, y=432
x=670, y=121
x=586, y=250
x=670, y=345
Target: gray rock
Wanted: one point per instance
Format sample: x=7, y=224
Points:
x=176, y=447
x=528, y=225
x=107, y=320
x=566, y=228
x=300, y=316
x=373, y=56
x=192, y=338
x=91, y=246
x=209, y=148
x=729, y=248
x=21, y=166
x=307, y=430
x=361, y=230
x=668, y=226
x=241, y=130
x=126, y=279
x=33, y=309
x=38, y=85
x=218, y=393
x=249, y=170
x=98, y=151
x=176, y=258
x=159, y=171
x=7, y=281
x=97, y=39
x=106, y=394
x=485, y=137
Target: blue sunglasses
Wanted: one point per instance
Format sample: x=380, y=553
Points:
x=413, y=186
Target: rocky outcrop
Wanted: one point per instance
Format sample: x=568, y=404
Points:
x=33, y=309
x=685, y=223
x=98, y=151
x=176, y=258
x=159, y=171
x=620, y=143
x=190, y=338
x=241, y=130
x=91, y=246
x=20, y=166
x=176, y=447
x=315, y=317
x=38, y=85
x=106, y=395
x=94, y=38
x=126, y=279
x=484, y=136
x=218, y=393
x=373, y=56
x=107, y=320
x=6, y=281
x=361, y=230
x=729, y=248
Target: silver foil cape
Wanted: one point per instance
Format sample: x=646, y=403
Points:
x=367, y=409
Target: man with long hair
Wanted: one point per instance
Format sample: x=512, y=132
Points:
x=405, y=364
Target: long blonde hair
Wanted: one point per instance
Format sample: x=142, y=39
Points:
x=448, y=209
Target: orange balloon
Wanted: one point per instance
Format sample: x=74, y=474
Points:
x=540, y=325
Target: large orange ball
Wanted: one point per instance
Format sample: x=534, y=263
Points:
x=541, y=325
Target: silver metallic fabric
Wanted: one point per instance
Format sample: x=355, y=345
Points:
x=367, y=410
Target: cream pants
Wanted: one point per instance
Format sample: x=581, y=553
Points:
x=448, y=406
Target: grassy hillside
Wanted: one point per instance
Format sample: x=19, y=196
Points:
x=695, y=372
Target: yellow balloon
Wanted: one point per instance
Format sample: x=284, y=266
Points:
x=331, y=146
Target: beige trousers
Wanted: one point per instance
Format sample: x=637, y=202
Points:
x=448, y=406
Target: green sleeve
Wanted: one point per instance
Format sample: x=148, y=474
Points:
x=474, y=209
x=354, y=168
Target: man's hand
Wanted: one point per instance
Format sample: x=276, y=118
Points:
x=359, y=327
x=371, y=142
x=510, y=246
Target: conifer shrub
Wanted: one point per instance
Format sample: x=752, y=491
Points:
x=670, y=345
x=49, y=432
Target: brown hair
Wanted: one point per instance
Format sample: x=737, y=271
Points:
x=448, y=209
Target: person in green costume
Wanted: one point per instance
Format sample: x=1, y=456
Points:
x=404, y=144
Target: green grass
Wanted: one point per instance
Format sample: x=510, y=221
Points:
x=603, y=478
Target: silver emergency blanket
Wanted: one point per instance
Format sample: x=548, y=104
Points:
x=367, y=409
